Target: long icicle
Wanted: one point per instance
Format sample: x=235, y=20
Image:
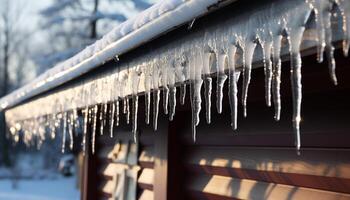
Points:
x=117, y=112
x=232, y=88
x=111, y=120
x=165, y=98
x=267, y=47
x=64, y=132
x=127, y=111
x=86, y=118
x=182, y=93
x=249, y=51
x=156, y=94
x=329, y=46
x=93, y=139
x=296, y=63
x=71, y=128
x=147, y=106
x=207, y=97
x=102, y=118
x=276, y=78
x=172, y=102
x=221, y=78
x=135, y=100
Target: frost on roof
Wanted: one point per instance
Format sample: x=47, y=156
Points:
x=225, y=51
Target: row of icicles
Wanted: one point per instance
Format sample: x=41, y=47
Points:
x=197, y=61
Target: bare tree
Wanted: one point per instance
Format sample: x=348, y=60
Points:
x=74, y=24
x=11, y=61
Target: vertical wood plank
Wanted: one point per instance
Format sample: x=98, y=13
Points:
x=89, y=191
x=161, y=159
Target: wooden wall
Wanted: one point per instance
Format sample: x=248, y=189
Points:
x=258, y=161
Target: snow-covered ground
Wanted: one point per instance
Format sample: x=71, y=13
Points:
x=40, y=189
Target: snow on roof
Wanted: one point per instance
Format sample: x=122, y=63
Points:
x=225, y=49
x=150, y=23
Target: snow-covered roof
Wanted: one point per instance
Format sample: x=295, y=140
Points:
x=150, y=23
x=225, y=49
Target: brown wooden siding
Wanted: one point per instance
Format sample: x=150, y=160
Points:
x=258, y=161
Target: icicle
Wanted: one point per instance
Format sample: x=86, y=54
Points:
x=147, y=106
x=94, y=128
x=232, y=88
x=71, y=126
x=193, y=118
x=64, y=132
x=182, y=94
x=276, y=78
x=341, y=5
x=105, y=113
x=172, y=102
x=221, y=78
x=135, y=104
x=148, y=84
x=165, y=98
x=207, y=82
x=296, y=63
x=117, y=112
x=111, y=119
x=156, y=94
x=75, y=119
x=207, y=97
x=52, y=126
x=197, y=99
x=124, y=105
x=195, y=67
x=329, y=46
x=248, y=51
x=267, y=46
x=102, y=118
x=127, y=111
x=320, y=36
x=86, y=118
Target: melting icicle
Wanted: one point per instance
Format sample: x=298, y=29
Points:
x=127, y=111
x=195, y=91
x=71, y=127
x=111, y=119
x=276, y=79
x=156, y=94
x=165, y=99
x=94, y=128
x=102, y=118
x=249, y=51
x=296, y=63
x=197, y=99
x=52, y=126
x=86, y=118
x=124, y=106
x=329, y=46
x=267, y=46
x=76, y=119
x=135, y=103
x=117, y=112
x=182, y=94
x=232, y=88
x=221, y=78
x=172, y=102
x=147, y=106
x=207, y=83
x=64, y=132
x=207, y=97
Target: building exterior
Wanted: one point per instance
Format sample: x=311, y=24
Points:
x=162, y=114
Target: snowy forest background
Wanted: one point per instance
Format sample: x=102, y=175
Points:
x=35, y=35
